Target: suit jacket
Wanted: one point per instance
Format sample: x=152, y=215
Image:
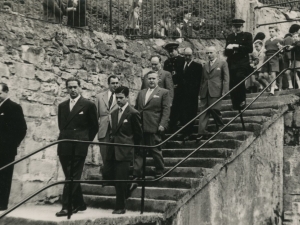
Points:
x=216, y=80
x=156, y=111
x=127, y=131
x=104, y=113
x=79, y=124
x=12, y=127
x=191, y=81
x=165, y=81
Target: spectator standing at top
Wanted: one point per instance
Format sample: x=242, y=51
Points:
x=134, y=19
x=189, y=25
x=238, y=47
x=53, y=10
x=76, y=11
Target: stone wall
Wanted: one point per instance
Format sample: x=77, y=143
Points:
x=247, y=191
x=35, y=65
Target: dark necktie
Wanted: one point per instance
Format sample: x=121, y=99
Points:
x=110, y=100
x=120, y=114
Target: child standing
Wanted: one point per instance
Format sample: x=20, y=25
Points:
x=295, y=56
x=271, y=46
x=259, y=55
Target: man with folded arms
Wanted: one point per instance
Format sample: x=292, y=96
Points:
x=154, y=106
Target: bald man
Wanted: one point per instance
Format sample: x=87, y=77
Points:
x=192, y=72
x=164, y=77
x=214, y=84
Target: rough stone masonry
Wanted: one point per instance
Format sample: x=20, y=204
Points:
x=35, y=64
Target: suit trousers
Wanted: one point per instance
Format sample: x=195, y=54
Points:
x=156, y=153
x=214, y=112
x=239, y=94
x=190, y=111
x=77, y=197
x=5, y=178
x=176, y=113
x=104, y=148
x=118, y=170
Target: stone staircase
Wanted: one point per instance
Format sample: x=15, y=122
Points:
x=164, y=195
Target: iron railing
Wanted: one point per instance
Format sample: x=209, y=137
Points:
x=143, y=181
x=135, y=18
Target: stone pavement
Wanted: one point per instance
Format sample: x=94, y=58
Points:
x=45, y=215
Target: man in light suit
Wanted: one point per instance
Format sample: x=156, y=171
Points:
x=126, y=129
x=12, y=131
x=164, y=77
x=106, y=103
x=214, y=84
x=77, y=120
x=153, y=104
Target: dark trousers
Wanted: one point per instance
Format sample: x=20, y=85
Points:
x=239, y=94
x=77, y=197
x=176, y=114
x=156, y=153
x=118, y=170
x=190, y=111
x=104, y=148
x=5, y=178
x=214, y=112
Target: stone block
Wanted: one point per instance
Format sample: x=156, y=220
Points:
x=20, y=169
x=82, y=74
x=103, y=79
x=117, y=53
x=42, y=98
x=50, y=88
x=105, y=66
x=47, y=130
x=88, y=86
x=297, y=118
x=29, y=187
x=35, y=110
x=72, y=61
x=42, y=170
x=15, y=192
x=25, y=70
x=4, y=71
x=45, y=76
x=33, y=54
x=33, y=85
x=91, y=65
x=51, y=152
x=288, y=119
x=66, y=75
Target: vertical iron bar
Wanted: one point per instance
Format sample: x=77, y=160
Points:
x=294, y=71
x=142, y=24
x=110, y=16
x=144, y=181
x=119, y=23
x=152, y=17
x=71, y=185
x=242, y=120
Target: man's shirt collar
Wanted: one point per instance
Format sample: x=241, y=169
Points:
x=3, y=101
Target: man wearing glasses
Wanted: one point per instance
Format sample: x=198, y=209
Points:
x=164, y=77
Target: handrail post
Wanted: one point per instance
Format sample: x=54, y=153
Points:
x=71, y=185
x=110, y=16
x=144, y=181
x=152, y=17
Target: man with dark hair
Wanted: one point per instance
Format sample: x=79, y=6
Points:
x=106, y=103
x=12, y=132
x=174, y=65
x=77, y=119
x=126, y=129
x=238, y=47
x=154, y=105
x=192, y=72
x=164, y=77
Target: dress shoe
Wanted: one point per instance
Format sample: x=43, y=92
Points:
x=243, y=105
x=79, y=208
x=132, y=187
x=62, y=212
x=119, y=211
x=187, y=138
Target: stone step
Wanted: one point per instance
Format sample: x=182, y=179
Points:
x=215, y=143
x=194, y=162
x=250, y=112
x=134, y=204
x=241, y=135
x=203, y=153
x=150, y=193
x=232, y=127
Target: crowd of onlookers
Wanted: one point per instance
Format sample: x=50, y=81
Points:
x=288, y=58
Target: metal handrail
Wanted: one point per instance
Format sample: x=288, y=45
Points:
x=141, y=146
x=270, y=5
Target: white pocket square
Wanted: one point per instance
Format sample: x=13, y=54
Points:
x=80, y=113
x=125, y=121
x=218, y=69
x=155, y=96
x=2, y=114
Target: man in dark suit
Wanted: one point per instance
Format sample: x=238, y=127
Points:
x=189, y=25
x=191, y=84
x=77, y=119
x=126, y=129
x=164, y=77
x=153, y=104
x=12, y=131
x=214, y=84
x=106, y=103
x=174, y=65
x=238, y=46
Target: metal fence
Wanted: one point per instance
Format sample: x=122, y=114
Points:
x=134, y=18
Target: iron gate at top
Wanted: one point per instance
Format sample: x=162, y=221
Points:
x=133, y=18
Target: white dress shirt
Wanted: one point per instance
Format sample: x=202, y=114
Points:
x=3, y=101
x=73, y=102
x=212, y=62
x=121, y=110
x=148, y=93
